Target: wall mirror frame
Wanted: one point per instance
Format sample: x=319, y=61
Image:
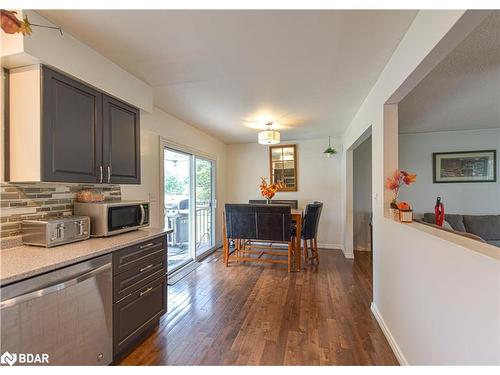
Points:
x=283, y=166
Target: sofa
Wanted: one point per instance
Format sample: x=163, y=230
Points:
x=486, y=227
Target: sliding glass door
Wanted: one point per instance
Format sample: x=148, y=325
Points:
x=189, y=205
x=177, y=195
x=204, y=216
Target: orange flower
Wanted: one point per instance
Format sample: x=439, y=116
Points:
x=409, y=178
x=393, y=182
x=397, y=180
x=269, y=190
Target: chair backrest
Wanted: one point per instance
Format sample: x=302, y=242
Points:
x=293, y=203
x=258, y=222
x=311, y=220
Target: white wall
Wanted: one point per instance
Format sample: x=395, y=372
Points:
x=415, y=155
x=161, y=124
x=438, y=301
x=362, y=194
x=318, y=180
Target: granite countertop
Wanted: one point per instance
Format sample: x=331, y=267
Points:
x=22, y=262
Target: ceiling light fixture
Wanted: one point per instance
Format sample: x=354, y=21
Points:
x=269, y=136
x=329, y=151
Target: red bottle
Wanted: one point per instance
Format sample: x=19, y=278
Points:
x=439, y=212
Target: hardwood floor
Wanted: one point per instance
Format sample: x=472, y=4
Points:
x=259, y=314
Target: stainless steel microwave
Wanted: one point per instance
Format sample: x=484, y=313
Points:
x=109, y=218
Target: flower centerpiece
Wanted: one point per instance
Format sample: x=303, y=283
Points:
x=269, y=190
x=394, y=183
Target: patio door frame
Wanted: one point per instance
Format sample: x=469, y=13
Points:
x=194, y=153
x=213, y=204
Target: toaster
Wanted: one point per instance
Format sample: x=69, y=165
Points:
x=55, y=231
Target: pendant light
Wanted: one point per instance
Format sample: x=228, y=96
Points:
x=269, y=136
x=329, y=151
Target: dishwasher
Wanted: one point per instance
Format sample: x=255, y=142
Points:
x=65, y=314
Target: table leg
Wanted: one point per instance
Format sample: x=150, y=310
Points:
x=298, y=250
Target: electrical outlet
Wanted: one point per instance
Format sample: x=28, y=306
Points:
x=152, y=197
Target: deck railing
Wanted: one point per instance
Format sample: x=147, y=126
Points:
x=179, y=222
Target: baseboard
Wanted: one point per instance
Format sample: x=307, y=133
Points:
x=329, y=246
x=348, y=255
x=392, y=342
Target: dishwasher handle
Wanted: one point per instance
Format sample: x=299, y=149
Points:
x=53, y=288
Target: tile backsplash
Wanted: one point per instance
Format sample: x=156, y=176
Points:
x=39, y=201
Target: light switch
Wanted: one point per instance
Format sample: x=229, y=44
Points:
x=152, y=196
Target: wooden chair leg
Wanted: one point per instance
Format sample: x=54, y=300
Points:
x=225, y=241
x=290, y=255
x=225, y=248
x=316, y=253
x=306, y=251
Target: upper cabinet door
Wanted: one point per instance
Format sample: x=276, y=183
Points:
x=121, y=142
x=71, y=130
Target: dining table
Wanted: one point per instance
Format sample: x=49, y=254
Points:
x=297, y=217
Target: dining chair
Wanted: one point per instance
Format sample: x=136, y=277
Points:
x=246, y=223
x=310, y=230
x=293, y=203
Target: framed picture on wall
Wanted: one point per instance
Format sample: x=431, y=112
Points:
x=465, y=166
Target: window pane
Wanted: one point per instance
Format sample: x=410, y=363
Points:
x=288, y=153
x=276, y=154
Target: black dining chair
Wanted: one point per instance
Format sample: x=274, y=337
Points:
x=293, y=203
x=310, y=230
x=245, y=223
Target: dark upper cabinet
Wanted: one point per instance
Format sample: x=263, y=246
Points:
x=87, y=136
x=71, y=129
x=121, y=142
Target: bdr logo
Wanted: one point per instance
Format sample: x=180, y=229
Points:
x=23, y=358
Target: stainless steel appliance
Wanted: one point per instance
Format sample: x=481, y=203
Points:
x=66, y=314
x=55, y=231
x=109, y=218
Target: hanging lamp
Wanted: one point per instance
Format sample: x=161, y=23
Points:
x=269, y=136
x=329, y=151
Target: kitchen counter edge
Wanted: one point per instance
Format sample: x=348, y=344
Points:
x=19, y=263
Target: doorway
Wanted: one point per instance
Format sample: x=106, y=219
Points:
x=362, y=196
x=188, y=205
x=359, y=205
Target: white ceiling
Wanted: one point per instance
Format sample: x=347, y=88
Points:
x=310, y=70
x=463, y=91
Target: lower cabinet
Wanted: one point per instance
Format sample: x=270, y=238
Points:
x=139, y=294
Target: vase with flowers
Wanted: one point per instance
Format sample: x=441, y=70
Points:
x=394, y=183
x=269, y=190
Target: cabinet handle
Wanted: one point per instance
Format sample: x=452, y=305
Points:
x=100, y=172
x=145, y=291
x=146, y=246
x=109, y=174
x=145, y=268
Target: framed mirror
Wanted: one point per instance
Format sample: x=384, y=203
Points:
x=283, y=166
